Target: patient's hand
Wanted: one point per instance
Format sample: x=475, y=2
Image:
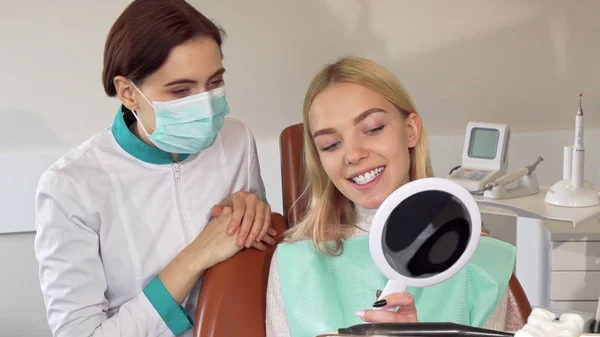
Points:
x=407, y=312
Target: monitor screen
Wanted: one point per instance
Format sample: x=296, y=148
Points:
x=484, y=143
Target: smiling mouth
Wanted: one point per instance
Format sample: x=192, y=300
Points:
x=367, y=177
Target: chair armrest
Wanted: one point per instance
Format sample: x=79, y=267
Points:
x=232, y=300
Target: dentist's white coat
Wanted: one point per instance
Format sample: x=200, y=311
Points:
x=107, y=223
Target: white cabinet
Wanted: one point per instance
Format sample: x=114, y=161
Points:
x=558, y=259
x=575, y=275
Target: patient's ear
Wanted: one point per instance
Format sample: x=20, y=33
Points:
x=413, y=129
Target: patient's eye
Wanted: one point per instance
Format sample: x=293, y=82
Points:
x=376, y=130
x=330, y=147
x=374, y=123
x=372, y=127
x=327, y=142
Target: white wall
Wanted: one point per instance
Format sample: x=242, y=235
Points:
x=520, y=62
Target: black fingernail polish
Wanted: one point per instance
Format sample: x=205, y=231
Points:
x=380, y=303
x=378, y=293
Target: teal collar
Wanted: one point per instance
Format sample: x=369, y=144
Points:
x=135, y=146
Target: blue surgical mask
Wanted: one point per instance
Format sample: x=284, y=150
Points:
x=187, y=125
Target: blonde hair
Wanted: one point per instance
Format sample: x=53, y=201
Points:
x=330, y=216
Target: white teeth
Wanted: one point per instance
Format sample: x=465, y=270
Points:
x=367, y=177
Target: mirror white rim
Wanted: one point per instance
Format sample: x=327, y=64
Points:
x=399, y=195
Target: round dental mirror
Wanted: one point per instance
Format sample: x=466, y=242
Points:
x=424, y=233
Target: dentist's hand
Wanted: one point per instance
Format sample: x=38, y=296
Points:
x=406, y=313
x=251, y=217
x=213, y=245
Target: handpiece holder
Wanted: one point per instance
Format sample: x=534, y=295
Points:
x=572, y=190
x=527, y=185
x=563, y=193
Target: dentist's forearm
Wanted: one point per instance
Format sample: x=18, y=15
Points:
x=180, y=275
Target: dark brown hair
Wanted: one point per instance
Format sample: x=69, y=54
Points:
x=141, y=39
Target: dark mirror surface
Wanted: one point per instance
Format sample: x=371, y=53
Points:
x=426, y=234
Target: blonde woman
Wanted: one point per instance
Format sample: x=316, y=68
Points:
x=363, y=139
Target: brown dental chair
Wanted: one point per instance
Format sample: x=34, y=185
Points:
x=291, y=144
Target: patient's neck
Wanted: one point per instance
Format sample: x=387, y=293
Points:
x=365, y=217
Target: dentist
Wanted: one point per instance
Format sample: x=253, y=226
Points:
x=128, y=221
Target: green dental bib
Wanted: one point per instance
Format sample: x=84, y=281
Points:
x=321, y=293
